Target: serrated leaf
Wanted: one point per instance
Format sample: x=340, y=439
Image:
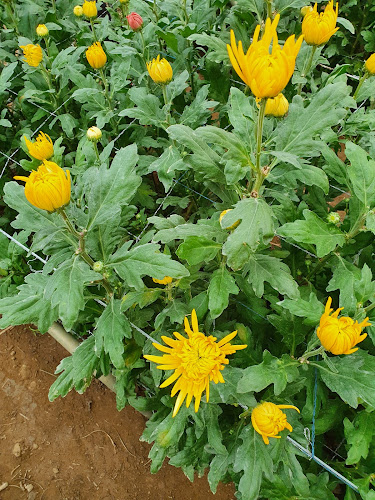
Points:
x=253, y=458
x=29, y=306
x=361, y=173
x=315, y=231
x=218, y=52
x=145, y=260
x=255, y=230
x=354, y=380
x=196, y=249
x=227, y=393
x=66, y=286
x=272, y=370
x=111, y=329
x=182, y=231
x=112, y=187
x=359, y=434
x=64, y=382
x=267, y=268
x=147, y=110
x=222, y=284
x=311, y=310
x=166, y=165
x=344, y=277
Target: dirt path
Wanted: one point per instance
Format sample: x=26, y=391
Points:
x=71, y=449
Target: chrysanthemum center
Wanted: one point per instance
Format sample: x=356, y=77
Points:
x=199, y=356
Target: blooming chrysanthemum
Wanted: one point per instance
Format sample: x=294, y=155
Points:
x=266, y=74
x=340, y=335
x=160, y=70
x=33, y=54
x=42, y=148
x=196, y=361
x=317, y=28
x=48, y=187
x=268, y=420
x=165, y=281
x=276, y=106
x=96, y=56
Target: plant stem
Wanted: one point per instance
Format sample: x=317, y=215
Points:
x=54, y=6
x=9, y=8
x=47, y=48
x=124, y=9
x=166, y=102
x=49, y=82
x=93, y=30
x=143, y=48
x=96, y=151
x=360, y=83
x=259, y=133
x=309, y=354
x=109, y=99
x=269, y=8
x=71, y=228
x=307, y=67
x=369, y=308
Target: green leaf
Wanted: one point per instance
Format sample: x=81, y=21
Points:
x=64, y=382
x=65, y=289
x=85, y=361
x=344, y=277
x=359, y=435
x=263, y=268
x=111, y=329
x=315, y=231
x=222, y=284
x=203, y=228
x=242, y=116
x=256, y=229
x=354, y=380
x=297, y=132
x=361, y=173
x=196, y=249
x=272, y=370
x=218, y=52
x=166, y=165
x=311, y=310
x=114, y=187
x=147, y=110
x=29, y=306
x=227, y=393
x=253, y=458
x=145, y=260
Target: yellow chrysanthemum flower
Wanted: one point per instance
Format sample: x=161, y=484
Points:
x=317, y=28
x=78, y=11
x=268, y=420
x=266, y=74
x=42, y=148
x=165, y=281
x=89, y=8
x=160, y=70
x=48, y=187
x=370, y=64
x=196, y=361
x=233, y=226
x=33, y=54
x=276, y=106
x=340, y=335
x=42, y=30
x=96, y=56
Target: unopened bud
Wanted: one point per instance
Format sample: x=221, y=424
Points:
x=42, y=30
x=333, y=218
x=94, y=134
x=78, y=11
x=98, y=266
x=305, y=10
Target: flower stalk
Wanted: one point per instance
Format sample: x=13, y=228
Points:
x=307, y=67
x=360, y=83
x=93, y=29
x=259, y=133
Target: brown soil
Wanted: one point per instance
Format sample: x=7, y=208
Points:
x=75, y=448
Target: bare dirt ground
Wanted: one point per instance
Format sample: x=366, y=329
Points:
x=77, y=448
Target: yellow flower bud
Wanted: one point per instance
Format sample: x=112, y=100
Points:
x=78, y=11
x=42, y=148
x=340, y=335
x=370, y=64
x=42, y=30
x=268, y=420
x=96, y=56
x=267, y=74
x=233, y=226
x=165, y=281
x=94, y=134
x=317, y=28
x=47, y=188
x=33, y=54
x=89, y=9
x=160, y=70
x=305, y=10
x=124, y=1
x=276, y=106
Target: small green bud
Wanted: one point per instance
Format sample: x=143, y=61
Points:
x=333, y=218
x=98, y=266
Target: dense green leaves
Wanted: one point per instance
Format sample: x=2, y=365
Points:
x=359, y=434
x=361, y=173
x=222, y=284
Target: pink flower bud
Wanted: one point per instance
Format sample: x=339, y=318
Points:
x=135, y=21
